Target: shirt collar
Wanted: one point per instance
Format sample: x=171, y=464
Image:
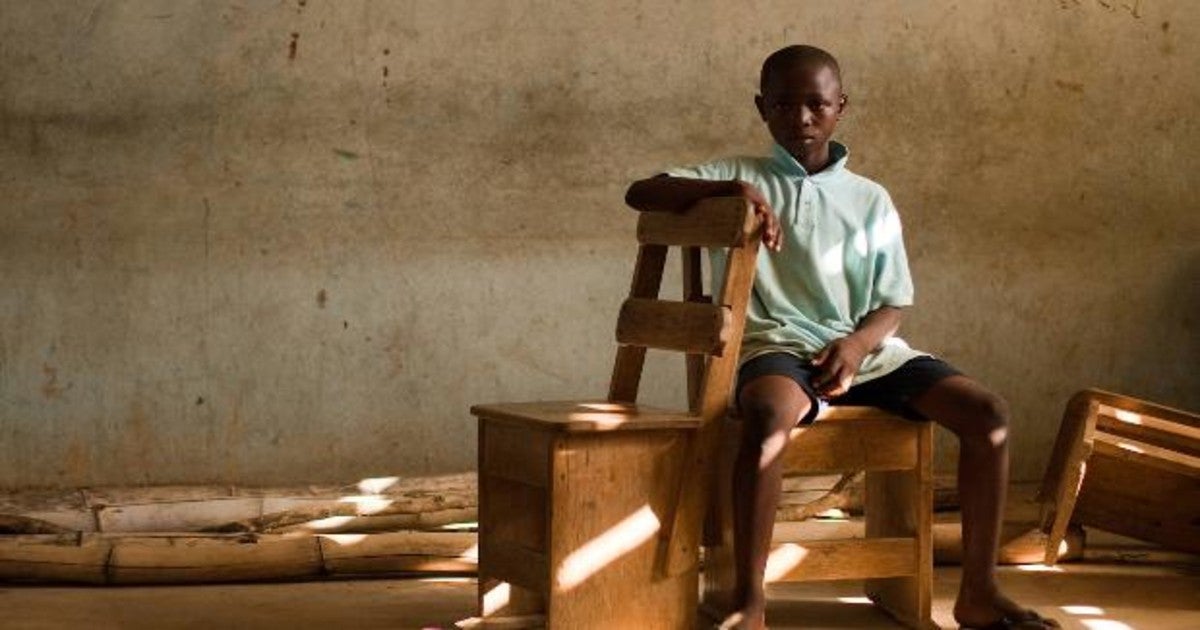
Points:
x=789, y=166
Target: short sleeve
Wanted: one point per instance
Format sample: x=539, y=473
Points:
x=718, y=170
x=892, y=284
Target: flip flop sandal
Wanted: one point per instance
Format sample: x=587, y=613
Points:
x=1029, y=620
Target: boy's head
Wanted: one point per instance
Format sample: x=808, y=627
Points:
x=801, y=99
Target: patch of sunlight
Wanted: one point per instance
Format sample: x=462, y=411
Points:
x=602, y=420
x=329, y=523
x=772, y=449
x=469, y=622
x=496, y=598
x=367, y=504
x=602, y=550
x=472, y=553
x=1105, y=624
x=783, y=560
x=831, y=261
x=1063, y=547
x=1039, y=568
x=860, y=243
x=460, y=527
x=376, y=485
x=1127, y=416
x=1129, y=447
x=345, y=540
x=609, y=407
x=854, y=600
x=885, y=231
x=1082, y=610
x=833, y=514
x=448, y=580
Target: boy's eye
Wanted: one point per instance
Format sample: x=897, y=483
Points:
x=792, y=108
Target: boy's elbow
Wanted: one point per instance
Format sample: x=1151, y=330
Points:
x=631, y=195
x=635, y=195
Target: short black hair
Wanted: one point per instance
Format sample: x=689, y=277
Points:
x=792, y=56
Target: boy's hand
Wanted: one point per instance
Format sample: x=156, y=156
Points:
x=762, y=209
x=836, y=364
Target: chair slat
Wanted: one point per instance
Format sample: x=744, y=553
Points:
x=682, y=326
x=714, y=222
x=647, y=280
x=850, y=559
x=1144, y=428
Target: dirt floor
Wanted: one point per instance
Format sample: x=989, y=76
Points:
x=1121, y=586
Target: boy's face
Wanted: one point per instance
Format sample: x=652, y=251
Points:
x=801, y=105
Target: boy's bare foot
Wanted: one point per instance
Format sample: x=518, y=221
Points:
x=998, y=611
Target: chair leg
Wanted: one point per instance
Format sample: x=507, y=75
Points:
x=900, y=504
x=719, y=577
x=1064, y=476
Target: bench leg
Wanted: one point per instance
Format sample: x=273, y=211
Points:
x=720, y=574
x=900, y=504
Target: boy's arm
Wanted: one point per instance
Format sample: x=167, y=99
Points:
x=664, y=193
x=838, y=362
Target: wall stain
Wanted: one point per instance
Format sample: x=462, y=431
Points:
x=1069, y=85
x=51, y=389
x=76, y=463
x=1133, y=7
x=292, y=46
x=322, y=298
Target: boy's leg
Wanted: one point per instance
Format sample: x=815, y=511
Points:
x=770, y=405
x=979, y=419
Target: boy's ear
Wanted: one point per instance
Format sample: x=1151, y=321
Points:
x=843, y=101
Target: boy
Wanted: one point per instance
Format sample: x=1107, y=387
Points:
x=827, y=301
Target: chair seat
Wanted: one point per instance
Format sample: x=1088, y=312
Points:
x=581, y=416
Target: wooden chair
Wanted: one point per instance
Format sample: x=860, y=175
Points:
x=577, y=498
x=591, y=513
x=1126, y=466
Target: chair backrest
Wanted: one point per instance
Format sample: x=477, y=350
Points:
x=708, y=331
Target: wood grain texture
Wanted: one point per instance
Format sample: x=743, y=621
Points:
x=612, y=494
x=871, y=443
x=585, y=416
x=679, y=326
x=714, y=222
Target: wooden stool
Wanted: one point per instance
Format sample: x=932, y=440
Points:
x=577, y=498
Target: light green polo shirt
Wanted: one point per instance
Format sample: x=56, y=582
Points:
x=842, y=257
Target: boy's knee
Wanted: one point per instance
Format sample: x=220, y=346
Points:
x=764, y=416
x=989, y=420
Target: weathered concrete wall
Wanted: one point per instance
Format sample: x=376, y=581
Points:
x=270, y=242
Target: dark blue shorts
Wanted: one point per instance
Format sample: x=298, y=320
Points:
x=890, y=392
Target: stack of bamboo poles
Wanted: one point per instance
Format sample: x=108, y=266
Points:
x=221, y=534
x=422, y=525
